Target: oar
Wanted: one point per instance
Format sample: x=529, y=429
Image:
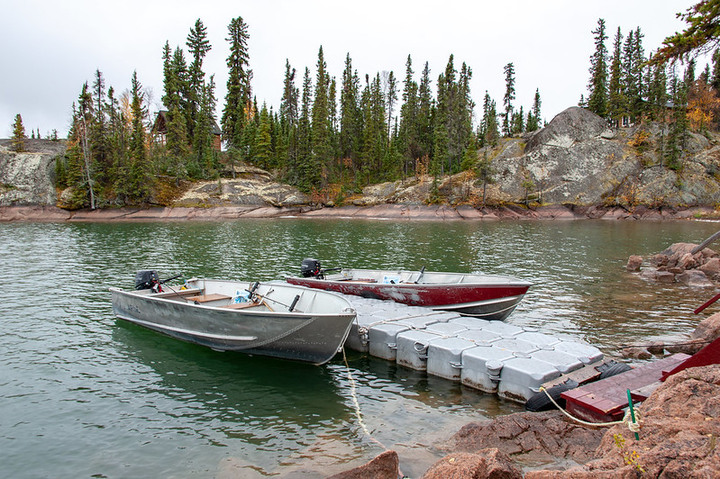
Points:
x=708, y=303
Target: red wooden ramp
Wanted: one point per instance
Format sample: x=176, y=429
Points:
x=604, y=400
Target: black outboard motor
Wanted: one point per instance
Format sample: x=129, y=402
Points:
x=310, y=267
x=146, y=279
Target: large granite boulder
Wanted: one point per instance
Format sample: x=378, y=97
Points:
x=26, y=178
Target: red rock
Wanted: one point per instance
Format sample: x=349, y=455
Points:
x=665, y=277
x=711, y=267
x=680, y=424
x=695, y=278
x=708, y=329
x=384, y=466
x=634, y=263
x=636, y=353
x=656, y=347
x=484, y=464
x=687, y=261
x=688, y=347
x=659, y=259
x=543, y=434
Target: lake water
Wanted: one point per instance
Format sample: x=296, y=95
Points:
x=85, y=395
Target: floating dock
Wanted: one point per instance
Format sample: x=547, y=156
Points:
x=492, y=356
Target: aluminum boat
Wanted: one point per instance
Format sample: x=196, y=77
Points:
x=274, y=319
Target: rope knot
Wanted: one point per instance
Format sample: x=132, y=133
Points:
x=632, y=426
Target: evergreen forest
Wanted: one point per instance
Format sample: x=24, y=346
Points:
x=331, y=136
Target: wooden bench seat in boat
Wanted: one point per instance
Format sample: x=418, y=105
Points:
x=170, y=293
x=206, y=298
x=247, y=304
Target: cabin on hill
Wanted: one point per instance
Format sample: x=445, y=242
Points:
x=160, y=129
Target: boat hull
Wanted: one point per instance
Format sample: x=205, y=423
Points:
x=492, y=299
x=313, y=337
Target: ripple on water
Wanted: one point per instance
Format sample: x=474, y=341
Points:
x=94, y=396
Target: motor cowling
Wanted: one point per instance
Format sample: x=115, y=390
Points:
x=146, y=279
x=310, y=267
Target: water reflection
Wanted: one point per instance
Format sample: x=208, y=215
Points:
x=245, y=390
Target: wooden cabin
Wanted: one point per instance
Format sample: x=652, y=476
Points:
x=160, y=129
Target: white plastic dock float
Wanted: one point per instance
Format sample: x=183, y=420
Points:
x=491, y=356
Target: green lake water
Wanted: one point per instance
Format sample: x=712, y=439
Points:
x=85, y=395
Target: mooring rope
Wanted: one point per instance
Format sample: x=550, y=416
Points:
x=358, y=413
x=627, y=419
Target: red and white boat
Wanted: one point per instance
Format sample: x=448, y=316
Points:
x=491, y=297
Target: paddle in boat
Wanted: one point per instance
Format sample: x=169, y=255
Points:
x=491, y=297
x=274, y=319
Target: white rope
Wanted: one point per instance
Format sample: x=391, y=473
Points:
x=633, y=426
x=356, y=404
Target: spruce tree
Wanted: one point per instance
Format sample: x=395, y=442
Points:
x=99, y=135
x=391, y=97
x=239, y=92
x=408, y=132
x=198, y=47
x=203, y=148
x=657, y=92
x=617, y=104
x=507, y=124
x=263, y=140
x=677, y=136
x=633, y=77
x=489, y=127
x=175, y=101
x=426, y=115
x=320, y=132
x=598, y=98
x=533, y=122
x=377, y=129
x=134, y=183
x=19, y=136
x=350, y=116
x=333, y=121
x=441, y=138
x=287, y=136
x=289, y=101
x=305, y=175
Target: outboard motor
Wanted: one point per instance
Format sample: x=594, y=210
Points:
x=146, y=279
x=310, y=267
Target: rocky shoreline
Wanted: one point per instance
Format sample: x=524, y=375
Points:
x=383, y=211
x=680, y=427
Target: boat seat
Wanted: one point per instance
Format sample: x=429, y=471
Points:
x=247, y=304
x=170, y=293
x=206, y=298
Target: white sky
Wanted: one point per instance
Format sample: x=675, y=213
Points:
x=49, y=48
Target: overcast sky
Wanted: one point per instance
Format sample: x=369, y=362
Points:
x=49, y=48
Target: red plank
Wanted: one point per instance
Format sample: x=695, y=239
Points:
x=604, y=400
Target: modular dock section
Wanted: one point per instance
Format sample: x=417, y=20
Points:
x=492, y=356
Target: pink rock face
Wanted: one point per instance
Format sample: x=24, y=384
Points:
x=384, y=466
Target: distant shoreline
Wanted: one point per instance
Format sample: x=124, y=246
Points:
x=379, y=212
